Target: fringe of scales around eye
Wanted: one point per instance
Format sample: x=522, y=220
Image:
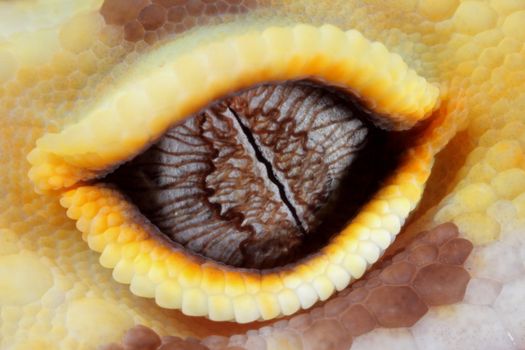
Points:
x=144, y=107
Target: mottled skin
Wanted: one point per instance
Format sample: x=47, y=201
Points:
x=58, y=58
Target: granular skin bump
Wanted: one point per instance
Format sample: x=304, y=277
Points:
x=121, y=12
x=146, y=19
x=358, y=320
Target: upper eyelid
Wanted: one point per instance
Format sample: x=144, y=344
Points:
x=142, y=107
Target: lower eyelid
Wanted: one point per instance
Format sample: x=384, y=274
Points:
x=113, y=227
x=397, y=294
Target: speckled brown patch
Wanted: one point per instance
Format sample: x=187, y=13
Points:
x=151, y=19
x=398, y=293
x=314, y=338
x=395, y=306
x=358, y=320
x=141, y=338
x=439, y=284
x=121, y=12
x=111, y=346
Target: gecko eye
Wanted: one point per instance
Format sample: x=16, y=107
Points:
x=240, y=201
x=252, y=180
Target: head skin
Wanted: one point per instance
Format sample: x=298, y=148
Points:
x=56, y=61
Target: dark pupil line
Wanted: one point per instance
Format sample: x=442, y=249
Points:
x=269, y=169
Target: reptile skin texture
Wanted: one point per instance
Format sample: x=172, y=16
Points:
x=435, y=259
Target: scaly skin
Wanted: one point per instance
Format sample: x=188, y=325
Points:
x=62, y=61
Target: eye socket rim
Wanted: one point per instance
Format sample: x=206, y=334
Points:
x=143, y=106
x=61, y=161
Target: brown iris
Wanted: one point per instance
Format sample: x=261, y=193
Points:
x=261, y=178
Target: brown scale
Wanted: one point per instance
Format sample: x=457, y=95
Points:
x=397, y=293
x=150, y=19
x=248, y=181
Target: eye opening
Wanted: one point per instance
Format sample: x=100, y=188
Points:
x=274, y=116
x=66, y=159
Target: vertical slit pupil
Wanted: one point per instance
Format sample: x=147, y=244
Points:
x=269, y=170
x=262, y=178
